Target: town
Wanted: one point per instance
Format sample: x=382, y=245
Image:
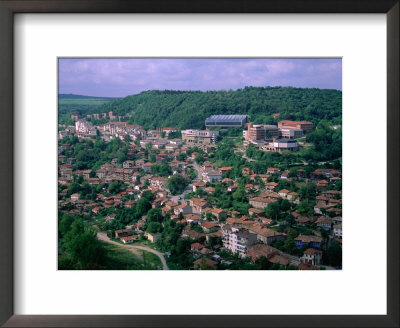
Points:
x=204, y=198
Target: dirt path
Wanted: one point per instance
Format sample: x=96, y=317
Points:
x=134, y=249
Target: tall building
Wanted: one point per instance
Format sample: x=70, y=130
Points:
x=237, y=240
x=261, y=132
x=228, y=121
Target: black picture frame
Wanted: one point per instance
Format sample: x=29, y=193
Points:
x=10, y=7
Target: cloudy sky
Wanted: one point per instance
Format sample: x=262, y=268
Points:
x=117, y=77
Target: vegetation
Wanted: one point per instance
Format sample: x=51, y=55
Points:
x=189, y=109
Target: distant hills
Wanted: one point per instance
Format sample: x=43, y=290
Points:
x=73, y=96
x=188, y=109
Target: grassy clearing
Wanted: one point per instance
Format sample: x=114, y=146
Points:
x=119, y=258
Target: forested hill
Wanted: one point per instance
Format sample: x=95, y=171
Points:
x=188, y=109
x=73, y=96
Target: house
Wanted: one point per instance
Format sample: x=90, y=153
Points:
x=247, y=171
x=302, y=220
x=75, y=197
x=232, y=187
x=312, y=256
x=293, y=197
x=256, y=211
x=130, y=204
x=158, y=182
x=205, y=264
x=272, y=170
x=196, y=247
x=283, y=193
x=207, y=226
x=184, y=209
x=198, y=205
x=270, y=185
x=147, y=167
x=192, y=217
x=324, y=223
x=128, y=164
x=198, y=185
x=310, y=241
x=258, y=250
x=212, y=176
x=219, y=213
x=123, y=233
x=265, y=235
x=337, y=220
x=153, y=237
x=331, y=194
x=128, y=239
x=260, y=202
x=337, y=230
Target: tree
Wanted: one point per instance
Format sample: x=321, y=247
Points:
x=114, y=187
x=154, y=215
x=73, y=188
x=289, y=245
x=154, y=227
x=176, y=184
x=334, y=253
x=272, y=210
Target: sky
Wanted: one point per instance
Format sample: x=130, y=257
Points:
x=120, y=77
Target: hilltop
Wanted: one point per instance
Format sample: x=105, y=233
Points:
x=188, y=109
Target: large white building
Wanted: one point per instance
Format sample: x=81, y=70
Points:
x=205, y=137
x=85, y=128
x=279, y=145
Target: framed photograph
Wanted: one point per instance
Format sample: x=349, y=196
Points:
x=190, y=165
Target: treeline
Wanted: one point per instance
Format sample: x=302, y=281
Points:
x=189, y=109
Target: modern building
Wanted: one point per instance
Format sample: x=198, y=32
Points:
x=303, y=125
x=227, y=121
x=204, y=137
x=279, y=145
x=260, y=132
x=291, y=133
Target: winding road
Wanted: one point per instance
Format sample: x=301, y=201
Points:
x=132, y=248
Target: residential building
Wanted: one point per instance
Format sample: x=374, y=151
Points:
x=310, y=241
x=312, y=256
x=237, y=240
x=267, y=236
x=337, y=230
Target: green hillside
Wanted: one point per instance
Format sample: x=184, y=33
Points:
x=68, y=103
x=188, y=109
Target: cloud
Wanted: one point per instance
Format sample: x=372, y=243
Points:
x=124, y=76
